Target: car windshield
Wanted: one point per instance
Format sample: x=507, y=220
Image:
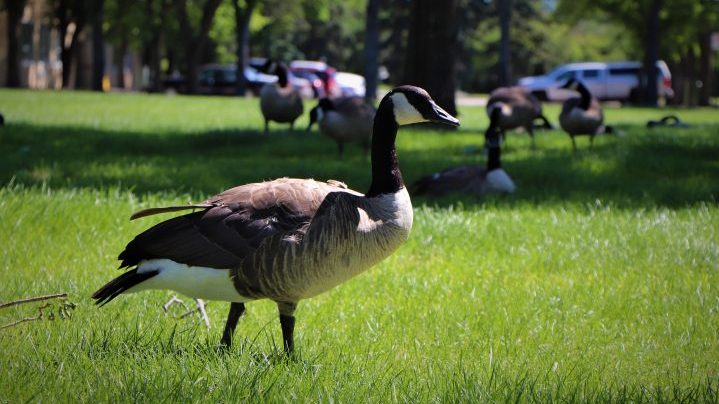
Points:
x=566, y=75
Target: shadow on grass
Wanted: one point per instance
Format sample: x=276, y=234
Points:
x=657, y=169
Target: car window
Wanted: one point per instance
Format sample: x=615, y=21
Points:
x=566, y=75
x=624, y=71
x=590, y=74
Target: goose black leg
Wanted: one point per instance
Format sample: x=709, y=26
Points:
x=341, y=150
x=267, y=126
x=236, y=311
x=574, y=144
x=591, y=141
x=292, y=126
x=287, y=322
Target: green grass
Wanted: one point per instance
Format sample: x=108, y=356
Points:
x=597, y=281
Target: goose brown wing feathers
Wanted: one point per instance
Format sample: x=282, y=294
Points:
x=233, y=225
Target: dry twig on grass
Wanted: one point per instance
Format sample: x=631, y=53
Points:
x=64, y=309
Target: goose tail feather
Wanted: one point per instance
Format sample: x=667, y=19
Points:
x=155, y=211
x=121, y=284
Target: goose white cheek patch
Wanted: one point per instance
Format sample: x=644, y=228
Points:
x=404, y=112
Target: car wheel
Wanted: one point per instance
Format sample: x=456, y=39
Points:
x=540, y=94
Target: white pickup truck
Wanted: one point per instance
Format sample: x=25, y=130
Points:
x=606, y=81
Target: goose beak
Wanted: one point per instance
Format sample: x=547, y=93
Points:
x=439, y=115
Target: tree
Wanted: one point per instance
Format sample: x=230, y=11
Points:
x=98, y=45
x=195, y=41
x=371, y=51
x=69, y=13
x=505, y=13
x=432, y=50
x=651, y=46
x=243, y=15
x=14, y=14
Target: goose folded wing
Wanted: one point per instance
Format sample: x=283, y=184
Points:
x=235, y=225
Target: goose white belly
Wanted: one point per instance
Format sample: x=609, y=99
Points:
x=196, y=282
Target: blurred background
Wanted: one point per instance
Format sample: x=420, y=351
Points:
x=350, y=47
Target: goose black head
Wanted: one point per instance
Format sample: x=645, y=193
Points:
x=412, y=104
x=318, y=111
x=572, y=84
x=270, y=67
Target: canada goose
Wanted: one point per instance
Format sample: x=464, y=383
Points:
x=519, y=108
x=669, y=120
x=284, y=240
x=470, y=179
x=582, y=115
x=345, y=120
x=279, y=102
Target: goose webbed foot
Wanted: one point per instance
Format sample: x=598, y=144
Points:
x=236, y=311
x=199, y=307
x=287, y=322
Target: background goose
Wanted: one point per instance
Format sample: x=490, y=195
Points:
x=518, y=109
x=345, y=120
x=280, y=102
x=669, y=120
x=582, y=115
x=285, y=240
x=470, y=179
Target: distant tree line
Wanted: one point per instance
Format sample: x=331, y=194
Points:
x=474, y=45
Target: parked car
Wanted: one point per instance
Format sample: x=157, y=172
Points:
x=219, y=79
x=351, y=84
x=322, y=70
x=606, y=81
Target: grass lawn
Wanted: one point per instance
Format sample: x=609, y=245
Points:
x=598, y=280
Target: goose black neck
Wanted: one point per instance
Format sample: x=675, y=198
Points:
x=586, y=97
x=493, y=162
x=386, y=177
x=282, y=75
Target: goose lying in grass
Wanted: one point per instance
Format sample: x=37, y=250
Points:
x=470, y=179
x=284, y=240
x=518, y=109
x=279, y=102
x=582, y=116
x=346, y=120
x=672, y=121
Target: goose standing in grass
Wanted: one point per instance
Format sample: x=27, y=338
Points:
x=280, y=102
x=470, y=179
x=582, y=116
x=284, y=240
x=346, y=120
x=518, y=109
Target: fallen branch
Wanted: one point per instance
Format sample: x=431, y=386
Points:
x=33, y=299
x=63, y=309
x=26, y=319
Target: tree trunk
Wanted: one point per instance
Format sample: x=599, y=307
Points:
x=371, y=50
x=98, y=46
x=505, y=15
x=706, y=67
x=67, y=13
x=652, y=54
x=242, y=33
x=195, y=43
x=14, y=14
x=432, y=50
